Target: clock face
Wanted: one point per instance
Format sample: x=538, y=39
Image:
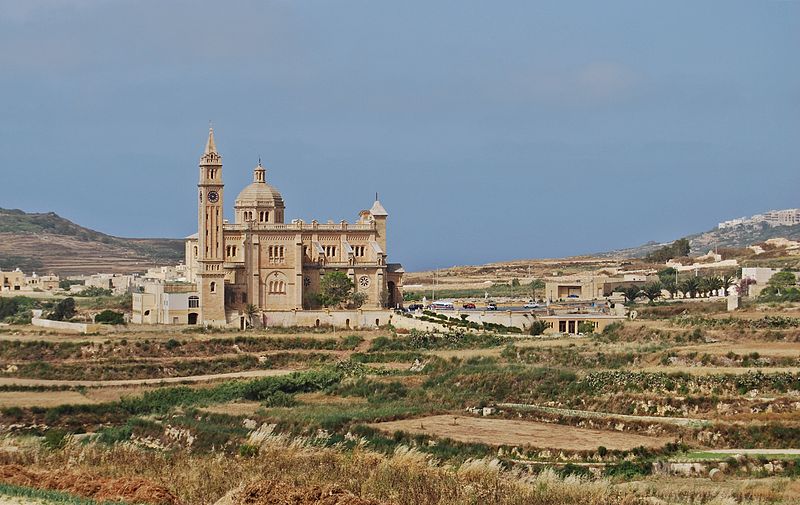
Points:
x=213, y=196
x=364, y=281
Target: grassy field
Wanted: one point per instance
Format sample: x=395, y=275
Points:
x=372, y=411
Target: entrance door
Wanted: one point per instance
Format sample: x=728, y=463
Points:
x=391, y=302
x=193, y=318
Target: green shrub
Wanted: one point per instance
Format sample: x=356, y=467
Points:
x=109, y=317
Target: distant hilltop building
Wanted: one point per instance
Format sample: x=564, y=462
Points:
x=262, y=261
x=786, y=217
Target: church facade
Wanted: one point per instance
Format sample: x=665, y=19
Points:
x=261, y=260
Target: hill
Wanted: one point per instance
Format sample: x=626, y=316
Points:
x=701, y=243
x=49, y=243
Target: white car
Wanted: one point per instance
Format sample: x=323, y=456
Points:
x=531, y=305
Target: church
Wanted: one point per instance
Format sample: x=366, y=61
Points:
x=260, y=259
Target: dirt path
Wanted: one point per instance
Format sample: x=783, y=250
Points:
x=7, y=381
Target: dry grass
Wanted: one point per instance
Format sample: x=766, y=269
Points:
x=520, y=433
x=405, y=478
x=42, y=398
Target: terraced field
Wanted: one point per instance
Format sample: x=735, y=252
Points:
x=642, y=400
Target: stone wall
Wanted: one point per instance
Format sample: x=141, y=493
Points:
x=65, y=326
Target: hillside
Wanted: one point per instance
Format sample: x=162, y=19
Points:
x=49, y=243
x=701, y=243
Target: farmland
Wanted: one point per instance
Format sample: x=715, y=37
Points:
x=647, y=408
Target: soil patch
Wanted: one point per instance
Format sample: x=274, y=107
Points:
x=89, y=486
x=522, y=433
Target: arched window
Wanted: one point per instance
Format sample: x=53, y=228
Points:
x=213, y=287
x=194, y=302
x=195, y=250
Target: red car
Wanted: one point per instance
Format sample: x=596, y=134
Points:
x=469, y=305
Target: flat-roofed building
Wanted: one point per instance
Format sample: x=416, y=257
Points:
x=572, y=323
x=166, y=303
x=12, y=281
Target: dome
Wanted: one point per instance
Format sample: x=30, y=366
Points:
x=259, y=194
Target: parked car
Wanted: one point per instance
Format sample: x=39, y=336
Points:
x=491, y=306
x=415, y=306
x=469, y=305
x=531, y=305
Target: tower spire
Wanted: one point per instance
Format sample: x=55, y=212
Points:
x=211, y=146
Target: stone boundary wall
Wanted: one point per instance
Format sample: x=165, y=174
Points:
x=355, y=319
x=65, y=326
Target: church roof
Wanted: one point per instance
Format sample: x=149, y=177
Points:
x=259, y=194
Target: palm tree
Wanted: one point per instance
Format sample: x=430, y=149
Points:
x=689, y=286
x=704, y=286
x=631, y=293
x=652, y=291
x=728, y=280
x=715, y=283
x=670, y=285
x=250, y=311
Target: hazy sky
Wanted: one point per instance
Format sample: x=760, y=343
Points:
x=492, y=130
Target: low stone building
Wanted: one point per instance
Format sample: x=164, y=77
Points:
x=571, y=323
x=12, y=281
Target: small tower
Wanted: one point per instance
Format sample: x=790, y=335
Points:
x=380, y=215
x=211, y=275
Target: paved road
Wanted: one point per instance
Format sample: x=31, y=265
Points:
x=4, y=381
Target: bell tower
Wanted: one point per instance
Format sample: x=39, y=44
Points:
x=211, y=275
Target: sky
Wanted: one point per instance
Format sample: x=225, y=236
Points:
x=492, y=130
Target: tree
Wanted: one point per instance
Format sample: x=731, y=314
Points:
x=677, y=249
x=514, y=282
x=727, y=281
x=671, y=286
x=689, y=286
x=667, y=273
x=65, y=309
x=250, y=310
x=652, y=291
x=335, y=288
x=357, y=299
x=703, y=286
x=534, y=285
x=715, y=283
x=537, y=327
x=631, y=293
x=8, y=307
x=782, y=281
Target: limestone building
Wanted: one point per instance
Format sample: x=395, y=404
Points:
x=260, y=259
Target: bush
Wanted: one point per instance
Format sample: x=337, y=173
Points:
x=55, y=439
x=65, y=309
x=109, y=317
x=537, y=328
